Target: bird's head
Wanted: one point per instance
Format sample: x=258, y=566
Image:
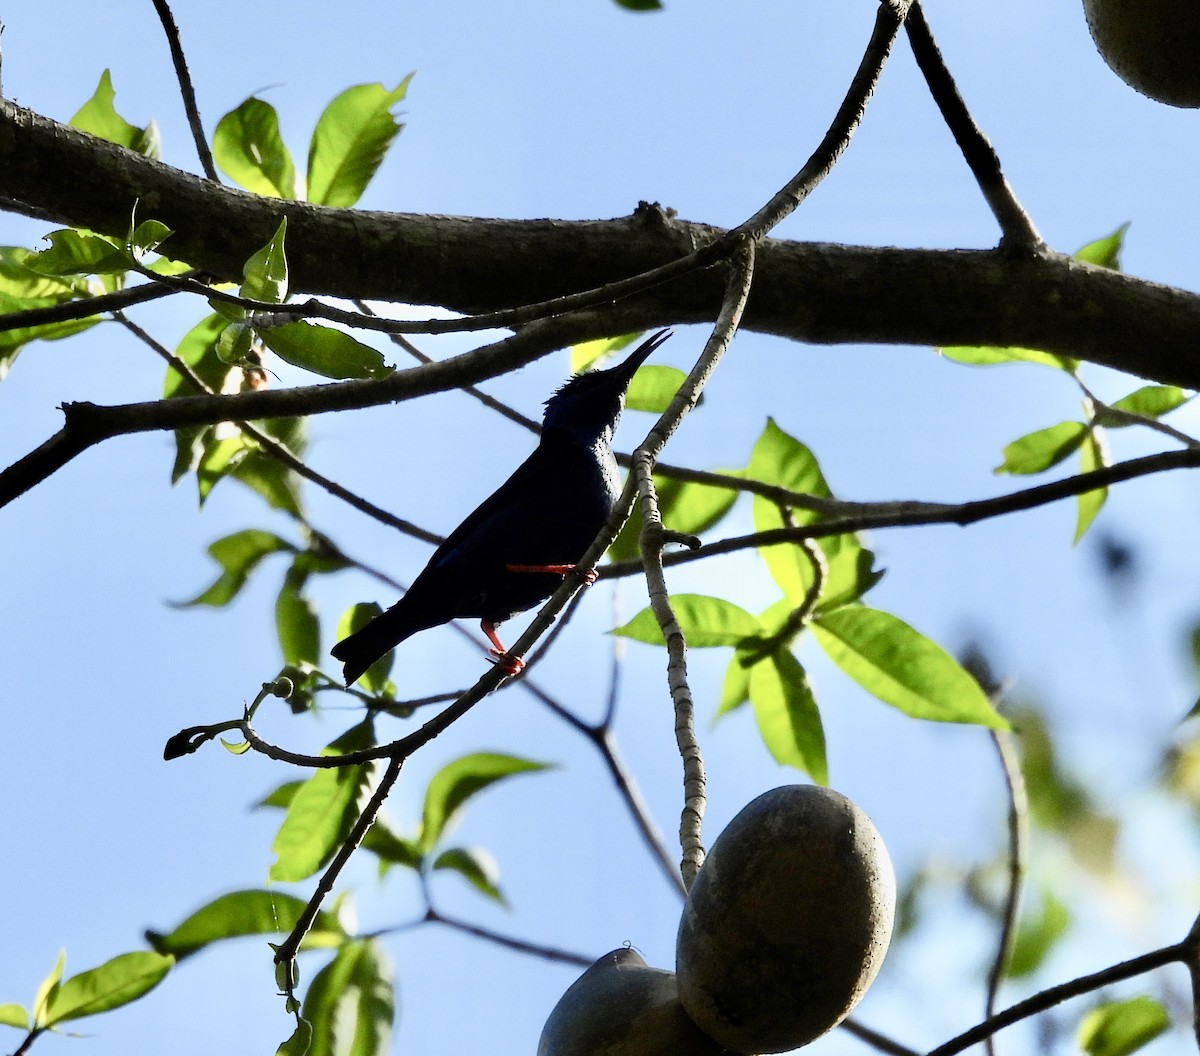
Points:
x=589, y=405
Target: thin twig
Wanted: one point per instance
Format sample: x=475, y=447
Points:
x=280, y=451
x=1018, y=806
x=876, y=1040
x=285, y=952
x=548, y=953
x=888, y=20
x=499, y=406
x=84, y=308
x=602, y=738
x=1055, y=995
x=1018, y=231
x=653, y=536
x=186, y=88
x=912, y=514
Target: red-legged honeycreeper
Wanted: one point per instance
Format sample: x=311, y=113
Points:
x=512, y=552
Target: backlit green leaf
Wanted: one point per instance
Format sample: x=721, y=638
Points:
x=251, y=152
x=265, y=274
x=1151, y=401
x=99, y=117
x=391, y=848
x=296, y=622
x=653, y=387
x=46, y=990
x=1092, y=455
x=781, y=460
x=322, y=811
x=684, y=507
x=1117, y=1028
x=458, y=781
x=114, y=983
x=12, y=1015
x=1036, y=935
x=988, y=356
x=902, y=667
x=351, y=1003
x=325, y=351
x=350, y=141
x=704, y=621
x=74, y=252
x=787, y=716
x=245, y=913
x=476, y=866
x=238, y=555
x=1105, y=252
x=1039, y=451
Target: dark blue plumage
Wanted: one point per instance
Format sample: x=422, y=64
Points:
x=492, y=566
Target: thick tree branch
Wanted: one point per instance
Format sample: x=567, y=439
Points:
x=806, y=291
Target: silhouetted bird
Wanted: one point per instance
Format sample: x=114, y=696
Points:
x=512, y=552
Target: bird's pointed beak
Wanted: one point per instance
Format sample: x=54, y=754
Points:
x=639, y=355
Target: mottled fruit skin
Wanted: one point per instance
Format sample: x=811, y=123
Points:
x=787, y=921
x=1152, y=45
x=621, y=1007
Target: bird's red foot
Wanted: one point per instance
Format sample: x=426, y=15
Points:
x=510, y=665
x=589, y=577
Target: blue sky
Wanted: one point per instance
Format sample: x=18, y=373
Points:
x=575, y=111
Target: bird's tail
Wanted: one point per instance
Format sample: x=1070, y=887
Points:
x=366, y=645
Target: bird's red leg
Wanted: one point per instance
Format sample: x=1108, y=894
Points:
x=589, y=576
x=511, y=665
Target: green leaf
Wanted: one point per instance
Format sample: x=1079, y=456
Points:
x=704, y=621
x=735, y=689
x=1036, y=936
x=12, y=341
x=114, y=983
x=1150, y=401
x=74, y=252
x=458, y=781
x=250, y=151
x=296, y=622
x=234, y=344
x=1117, y=1028
x=1038, y=451
x=787, y=715
x=325, y=351
x=47, y=989
x=684, y=507
x=588, y=354
x=12, y=1015
x=1093, y=455
x=238, y=555
x=782, y=460
x=25, y=288
x=148, y=236
x=391, y=848
x=1105, y=252
x=265, y=275
x=989, y=356
x=245, y=913
x=277, y=483
x=350, y=141
x=99, y=117
x=477, y=867
x=298, y=1041
x=653, y=388
x=355, y=618
x=351, y=1004
x=322, y=812
x=902, y=667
